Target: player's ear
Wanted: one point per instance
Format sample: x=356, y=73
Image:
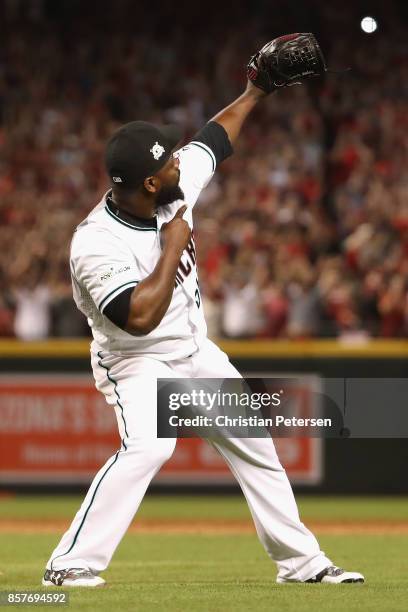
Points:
x=151, y=184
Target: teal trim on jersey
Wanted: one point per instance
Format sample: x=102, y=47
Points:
x=124, y=286
x=115, y=385
x=135, y=227
x=87, y=510
x=207, y=150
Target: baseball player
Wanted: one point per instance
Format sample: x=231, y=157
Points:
x=134, y=276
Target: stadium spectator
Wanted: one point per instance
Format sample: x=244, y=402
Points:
x=305, y=227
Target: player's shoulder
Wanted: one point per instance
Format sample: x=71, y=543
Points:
x=197, y=166
x=96, y=221
x=95, y=228
x=96, y=215
x=197, y=152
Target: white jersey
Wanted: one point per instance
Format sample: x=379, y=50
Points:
x=110, y=255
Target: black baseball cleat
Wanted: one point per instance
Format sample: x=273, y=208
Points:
x=330, y=575
x=73, y=577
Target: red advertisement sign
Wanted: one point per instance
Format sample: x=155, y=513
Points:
x=58, y=429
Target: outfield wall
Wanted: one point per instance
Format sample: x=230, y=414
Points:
x=56, y=430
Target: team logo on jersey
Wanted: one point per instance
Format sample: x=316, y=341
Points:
x=157, y=150
x=116, y=179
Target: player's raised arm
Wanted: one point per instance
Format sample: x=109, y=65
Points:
x=283, y=61
x=233, y=116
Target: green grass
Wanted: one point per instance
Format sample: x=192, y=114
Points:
x=216, y=507
x=203, y=573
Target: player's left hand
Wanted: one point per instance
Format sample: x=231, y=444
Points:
x=286, y=61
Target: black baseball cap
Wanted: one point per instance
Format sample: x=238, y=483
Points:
x=138, y=150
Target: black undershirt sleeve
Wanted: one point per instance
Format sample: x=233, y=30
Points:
x=117, y=310
x=216, y=138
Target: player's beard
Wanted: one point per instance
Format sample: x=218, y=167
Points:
x=168, y=195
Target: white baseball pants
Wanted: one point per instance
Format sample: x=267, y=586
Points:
x=129, y=385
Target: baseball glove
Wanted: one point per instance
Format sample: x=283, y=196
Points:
x=285, y=61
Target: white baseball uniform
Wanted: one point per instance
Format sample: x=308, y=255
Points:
x=110, y=253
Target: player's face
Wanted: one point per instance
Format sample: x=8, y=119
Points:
x=169, y=190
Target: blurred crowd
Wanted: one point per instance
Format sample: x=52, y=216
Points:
x=302, y=233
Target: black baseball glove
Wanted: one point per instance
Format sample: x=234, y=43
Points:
x=285, y=61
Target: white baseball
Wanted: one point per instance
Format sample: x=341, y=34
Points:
x=368, y=25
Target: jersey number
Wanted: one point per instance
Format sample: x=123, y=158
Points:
x=197, y=296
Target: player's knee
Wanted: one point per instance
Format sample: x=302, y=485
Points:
x=155, y=451
x=163, y=449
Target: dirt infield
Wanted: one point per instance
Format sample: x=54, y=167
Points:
x=213, y=527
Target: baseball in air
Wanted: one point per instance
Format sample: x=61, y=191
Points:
x=368, y=25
